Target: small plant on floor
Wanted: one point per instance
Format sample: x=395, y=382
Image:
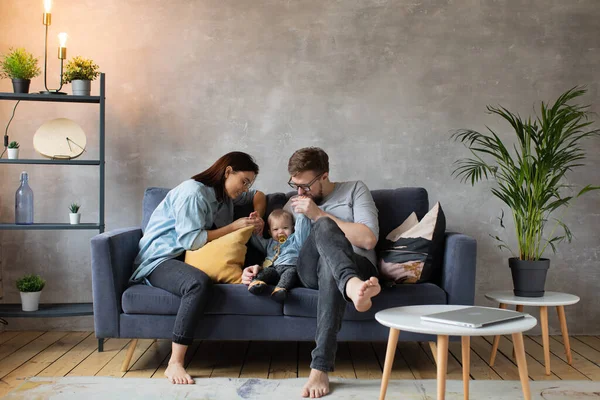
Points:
x=13, y=145
x=30, y=283
x=74, y=208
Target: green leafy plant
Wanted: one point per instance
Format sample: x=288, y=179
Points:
x=80, y=68
x=13, y=145
x=74, y=208
x=19, y=64
x=529, y=179
x=30, y=283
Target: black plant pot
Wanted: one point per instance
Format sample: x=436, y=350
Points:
x=21, y=85
x=529, y=277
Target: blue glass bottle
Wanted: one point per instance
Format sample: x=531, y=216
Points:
x=24, y=202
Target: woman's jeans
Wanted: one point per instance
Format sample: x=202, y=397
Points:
x=326, y=262
x=193, y=286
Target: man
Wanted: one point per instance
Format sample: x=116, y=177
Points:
x=337, y=258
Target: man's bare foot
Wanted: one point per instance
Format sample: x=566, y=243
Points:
x=176, y=374
x=317, y=385
x=361, y=292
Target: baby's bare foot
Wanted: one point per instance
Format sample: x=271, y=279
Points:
x=176, y=374
x=317, y=385
x=361, y=292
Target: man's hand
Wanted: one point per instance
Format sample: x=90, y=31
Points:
x=249, y=274
x=259, y=223
x=305, y=205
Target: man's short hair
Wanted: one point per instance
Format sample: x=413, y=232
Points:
x=308, y=159
x=280, y=213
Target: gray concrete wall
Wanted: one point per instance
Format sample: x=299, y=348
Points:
x=378, y=84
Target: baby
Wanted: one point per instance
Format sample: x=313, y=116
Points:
x=282, y=249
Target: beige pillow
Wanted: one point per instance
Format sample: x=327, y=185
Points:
x=223, y=258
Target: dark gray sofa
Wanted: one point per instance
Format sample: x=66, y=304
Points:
x=139, y=311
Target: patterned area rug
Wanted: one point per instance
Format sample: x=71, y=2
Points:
x=92, y=388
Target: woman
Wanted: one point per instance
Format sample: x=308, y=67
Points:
x=197, y=211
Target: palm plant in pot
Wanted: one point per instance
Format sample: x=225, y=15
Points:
x=80, y=72
x=530, y=178
x=20, y=66
x=30, y=287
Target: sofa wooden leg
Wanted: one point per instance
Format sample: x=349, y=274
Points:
x=127, y=360
x=100, y=345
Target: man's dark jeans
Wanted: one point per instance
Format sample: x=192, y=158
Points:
x=326, y=262
x=193, y=286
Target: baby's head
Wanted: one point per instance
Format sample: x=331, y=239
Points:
x=281, y=223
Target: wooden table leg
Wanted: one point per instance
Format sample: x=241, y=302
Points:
x=433, y=348
x=442, y=362
x=519, y=308
x=496, y=342
x=389, y=361
x=545, y=337
x=565, y=333
x=466, y=364
x=522, y=364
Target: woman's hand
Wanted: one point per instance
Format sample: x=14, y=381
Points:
x=258, y=229
x=249, y=274
x=247, y=221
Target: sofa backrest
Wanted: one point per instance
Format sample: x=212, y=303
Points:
x=394, y=205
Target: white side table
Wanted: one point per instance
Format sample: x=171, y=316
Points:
x=550, y=299
x=409, y=319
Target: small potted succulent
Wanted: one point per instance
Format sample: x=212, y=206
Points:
x=80, y=72
x=30, y=287
x=20, y=66
x=13, y=150
x=74, y=216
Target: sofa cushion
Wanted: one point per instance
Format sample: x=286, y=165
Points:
x=152, y=198
x=302, y=302
x=412, y=252
x=395, y=205
x=222, y=259
x=226, y=299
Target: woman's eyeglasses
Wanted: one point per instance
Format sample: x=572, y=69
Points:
x=247, y=183
x=304, y=186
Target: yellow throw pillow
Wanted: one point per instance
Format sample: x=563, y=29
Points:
x=223, y=258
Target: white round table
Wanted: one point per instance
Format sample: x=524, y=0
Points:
x=409, y=319
x=550, y=299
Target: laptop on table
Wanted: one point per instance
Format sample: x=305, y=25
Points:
x=473, y=317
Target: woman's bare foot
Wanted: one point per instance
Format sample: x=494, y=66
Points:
x=176, y=374
x=361, y=292
x=317, y=385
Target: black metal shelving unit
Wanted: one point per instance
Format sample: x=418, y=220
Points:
x=61, y=309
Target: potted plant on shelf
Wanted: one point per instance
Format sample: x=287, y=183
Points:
x=74, y=216
x=20, y=66
x=80, y=72
x=30, y=287
x=13, y=150
x=530, y=178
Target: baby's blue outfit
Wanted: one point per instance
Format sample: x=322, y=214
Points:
x=290, y=249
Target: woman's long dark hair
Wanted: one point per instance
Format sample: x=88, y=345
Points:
x=214, y=176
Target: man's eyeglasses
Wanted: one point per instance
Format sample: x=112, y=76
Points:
x=304, y=186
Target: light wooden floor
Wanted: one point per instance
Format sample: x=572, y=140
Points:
x=55, y=354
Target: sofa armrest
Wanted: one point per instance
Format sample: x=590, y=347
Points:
x=458, y=276
x=113, y=254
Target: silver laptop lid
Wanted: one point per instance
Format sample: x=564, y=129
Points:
x=473, y=317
